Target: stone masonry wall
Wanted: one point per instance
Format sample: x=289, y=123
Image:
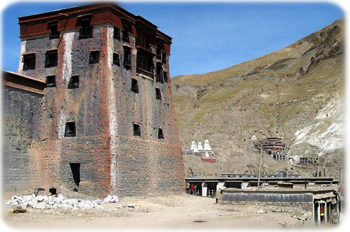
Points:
x=21, y=123
x=148, y=167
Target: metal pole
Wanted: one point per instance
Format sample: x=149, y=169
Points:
x=259, y=166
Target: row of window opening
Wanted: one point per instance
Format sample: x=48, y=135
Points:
x=143, y=63
x=85, y=31
x=50, y=60
x=70, y=130
x=74, y=83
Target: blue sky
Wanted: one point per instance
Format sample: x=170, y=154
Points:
x=206, y=36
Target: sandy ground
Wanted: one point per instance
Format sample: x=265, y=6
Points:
x=184, y=211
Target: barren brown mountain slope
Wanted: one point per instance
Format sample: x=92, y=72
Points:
x=295, y=93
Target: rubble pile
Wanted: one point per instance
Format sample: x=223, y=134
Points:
x=58, y=202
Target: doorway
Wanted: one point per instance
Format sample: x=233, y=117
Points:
x=75, y=167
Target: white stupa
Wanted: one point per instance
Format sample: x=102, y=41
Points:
x=206, y=145
x=200, y=147
x=194, y=147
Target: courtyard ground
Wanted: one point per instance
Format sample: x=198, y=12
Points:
x=180, y=211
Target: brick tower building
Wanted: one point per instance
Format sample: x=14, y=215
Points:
x=107, y=122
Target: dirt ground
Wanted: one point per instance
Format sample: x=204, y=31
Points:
x=171, y=212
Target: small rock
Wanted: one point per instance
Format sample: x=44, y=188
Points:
x=40, y=198
x=107, y=199
x=111, y=199
x=40, y=206
x=283, y=223
x=130, y=206
x=260, y=211
x=19, y=209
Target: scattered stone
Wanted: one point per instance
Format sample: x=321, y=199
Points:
x=59, y=202
x=40, y=198
x=283, y=223
x=111, y=199
x=19, y=209
x=260, y=211
x=130, y=206
x=276, y=210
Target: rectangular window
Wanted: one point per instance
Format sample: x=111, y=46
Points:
x=159, y=76
x=126, y=30
x=73, y=82
x=85, y=27
x=137, y=129
x=142, y=40
x=144, y=62
x=160, y=48
x=116, y=59
x=51, y=58
x=165, y=76
x=160, y=133
x=54, y=33
x=158, y=94
x=94, y=57
x=159, y=51
x=134, y=86
x=29, y=61
x=116, y=33
x=70, y=129
x=164, y=57
x=51, y=81
x=127, y=58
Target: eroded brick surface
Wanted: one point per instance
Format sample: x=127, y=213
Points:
x=104, y=109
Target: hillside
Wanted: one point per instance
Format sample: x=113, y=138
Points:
x=295, y=93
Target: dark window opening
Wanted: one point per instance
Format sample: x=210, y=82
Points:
x=70, y=129
x=94, y=57
x=127, y=58
x=54, y=33
x=159, y=53
x=164, y=57
x=165, y=76
x=158, y=94
x=51, y=58
x=29, y=61
x=116, y=33
x=126, y=30
x=160, y=133
x=160, y=48
x=159, y=75
x=74, y=82
x=75, y=167
x=145, y=62
x=85, y=27
x=134, y=86
x=142, y=40
x=137, y=130
x=116, y=59
x=51, y=81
